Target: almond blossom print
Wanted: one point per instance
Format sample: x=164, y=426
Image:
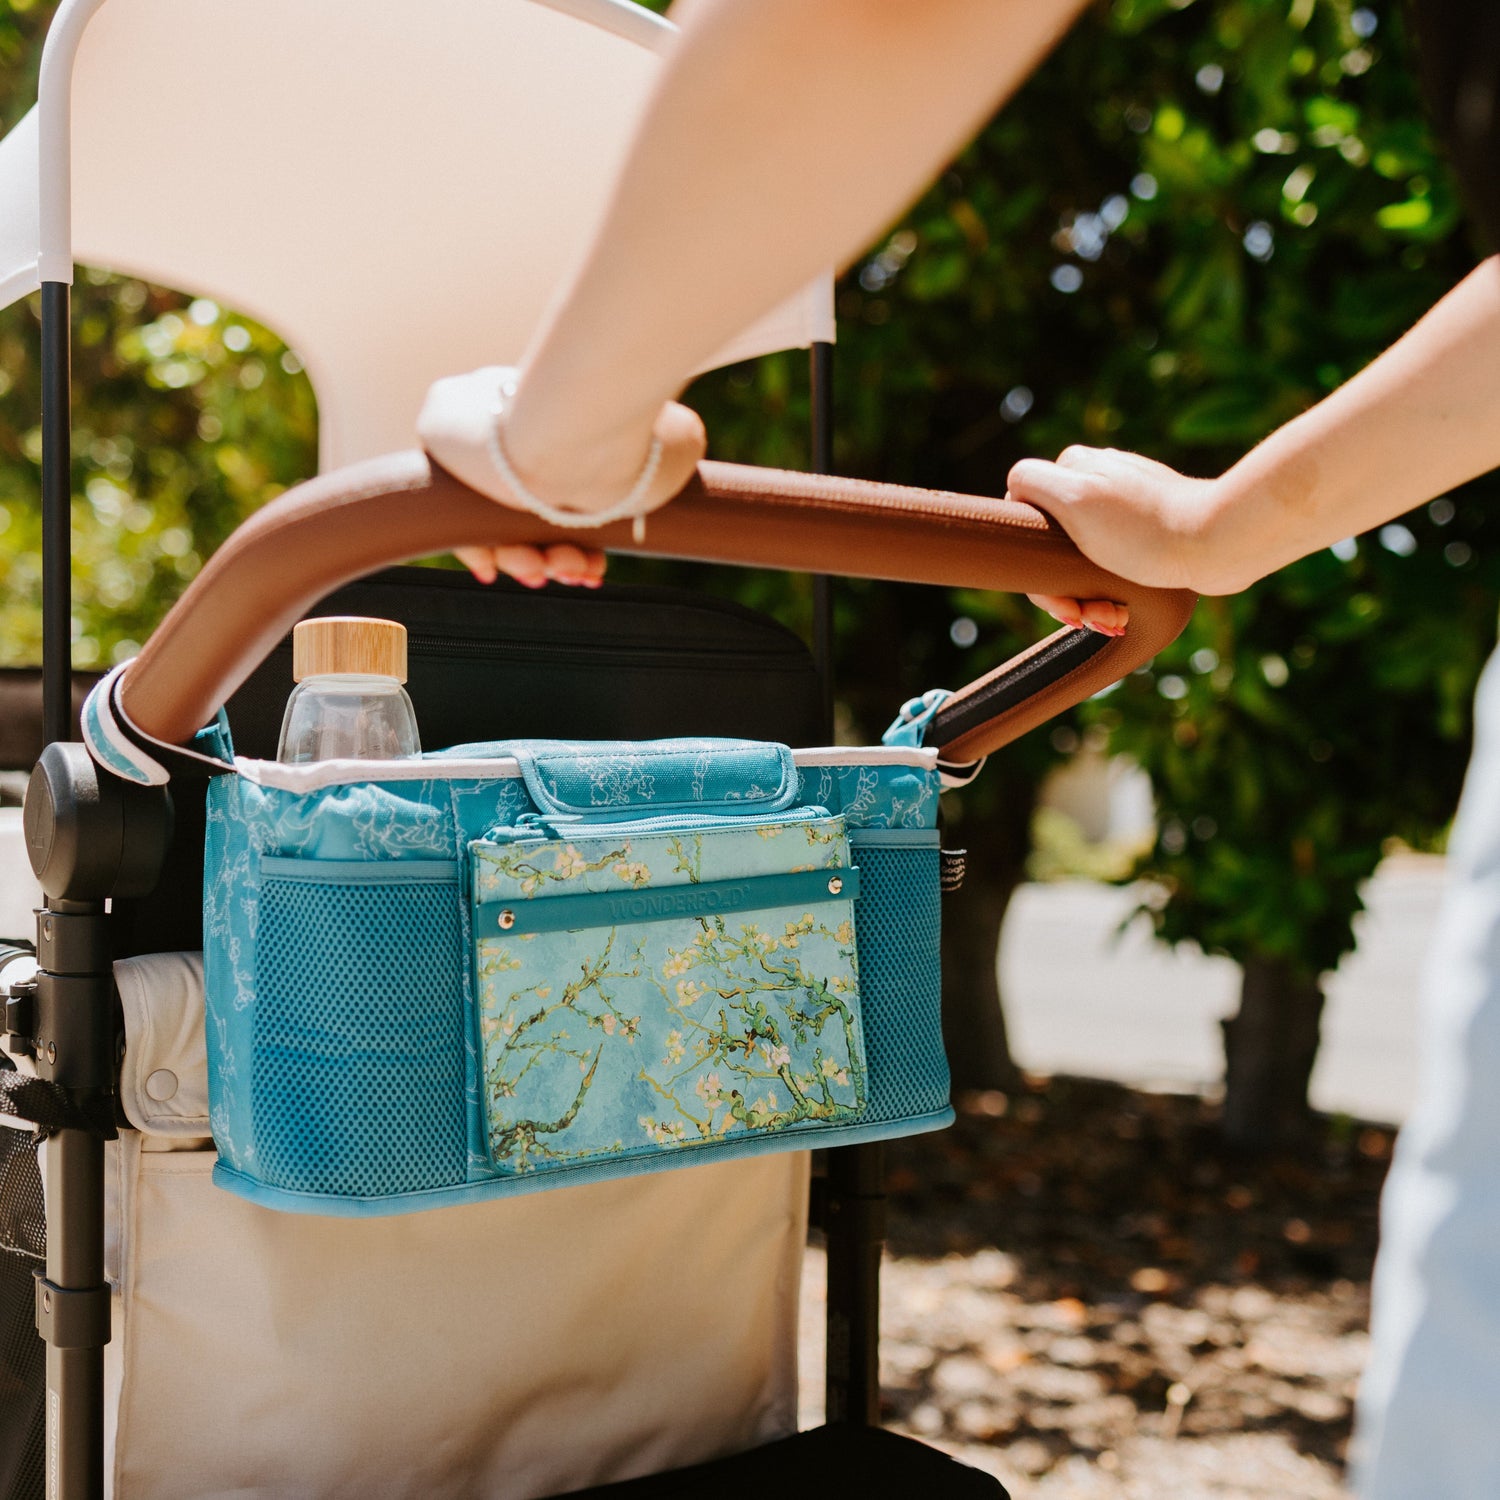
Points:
x=747, y=1026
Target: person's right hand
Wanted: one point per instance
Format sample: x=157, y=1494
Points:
x=1129, y=514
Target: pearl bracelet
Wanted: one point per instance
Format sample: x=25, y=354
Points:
x=570, y=519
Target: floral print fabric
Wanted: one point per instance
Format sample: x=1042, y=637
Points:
x=630, y=1038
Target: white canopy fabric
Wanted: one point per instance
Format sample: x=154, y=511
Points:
x=395, y=189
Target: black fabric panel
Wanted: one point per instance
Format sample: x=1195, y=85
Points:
x=864, y=1462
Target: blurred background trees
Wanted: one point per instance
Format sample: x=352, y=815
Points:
x=1195, y=221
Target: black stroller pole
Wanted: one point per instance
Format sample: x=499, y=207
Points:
x=854, y=1197
x=74, y=1451
x=79, y=833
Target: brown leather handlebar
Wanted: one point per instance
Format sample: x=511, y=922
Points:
x=354, y=521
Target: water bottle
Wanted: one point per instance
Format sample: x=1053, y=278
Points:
x=349, y=702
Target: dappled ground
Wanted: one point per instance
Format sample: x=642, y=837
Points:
x=1086, y=1295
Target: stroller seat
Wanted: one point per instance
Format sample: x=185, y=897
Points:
x=507, y=1349
x=650, y=1320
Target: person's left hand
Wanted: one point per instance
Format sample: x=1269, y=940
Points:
x=1131, y=515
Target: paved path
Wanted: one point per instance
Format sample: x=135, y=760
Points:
x=1083, y=998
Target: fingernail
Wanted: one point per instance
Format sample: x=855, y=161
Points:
x=534, y=583
x=593, y=583
x=1076, y=624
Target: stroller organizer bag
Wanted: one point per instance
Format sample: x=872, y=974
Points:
x=509, y=966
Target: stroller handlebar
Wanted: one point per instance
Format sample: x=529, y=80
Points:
x=388, y=510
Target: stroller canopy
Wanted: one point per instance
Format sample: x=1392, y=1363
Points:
x=396, y=190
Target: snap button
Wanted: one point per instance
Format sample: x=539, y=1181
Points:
x=161, y=1085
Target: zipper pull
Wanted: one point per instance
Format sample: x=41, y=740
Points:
x=528, y=826
x=535, y=825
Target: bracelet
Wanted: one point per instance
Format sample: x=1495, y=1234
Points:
x=570, y=519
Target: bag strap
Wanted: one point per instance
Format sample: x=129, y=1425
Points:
x=353, y=521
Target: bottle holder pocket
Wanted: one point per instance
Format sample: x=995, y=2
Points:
x=357, y=1052
x=642, y=991
x=900, y=980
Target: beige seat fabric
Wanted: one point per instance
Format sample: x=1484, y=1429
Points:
x=492, y=1352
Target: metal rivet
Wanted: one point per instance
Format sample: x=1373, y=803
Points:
x=835, y=885
x=46, y=1300
x=47, y=928
x=507, y=918
x=51, y=1052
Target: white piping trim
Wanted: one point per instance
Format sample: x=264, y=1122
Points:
x=314, y=776
x=924, y=758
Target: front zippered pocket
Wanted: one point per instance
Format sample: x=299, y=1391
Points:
x=664, y=984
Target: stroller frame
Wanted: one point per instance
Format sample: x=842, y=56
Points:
x=73, y=1297
x=94, y=837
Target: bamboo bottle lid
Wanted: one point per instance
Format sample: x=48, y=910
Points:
x=335, y=644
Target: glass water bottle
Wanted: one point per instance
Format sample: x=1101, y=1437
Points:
x=349, y=702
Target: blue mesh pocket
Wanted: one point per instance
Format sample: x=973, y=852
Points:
x=899, y=977
x=357, y=1073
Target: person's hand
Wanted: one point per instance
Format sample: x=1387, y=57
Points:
x=457, y=428
x=1132, y=515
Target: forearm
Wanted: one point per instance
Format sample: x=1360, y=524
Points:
x=1423, y=417
x=782, y=136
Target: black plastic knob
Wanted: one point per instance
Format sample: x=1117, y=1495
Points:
x=91, y=836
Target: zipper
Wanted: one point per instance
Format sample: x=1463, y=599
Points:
x=548, y=826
